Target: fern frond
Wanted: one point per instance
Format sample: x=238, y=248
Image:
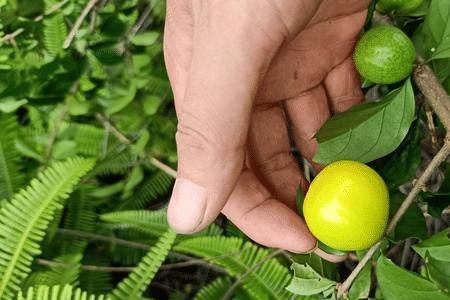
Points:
x=118, y=161
x=236, y=256
x=81, y=216
x=151, y=189
x=24, y=219
x=95, y=282
x=66, y=273
x=134, y=285
x=55, y=31
x=58, y=292
x=89, y=138
x=150, y=222
x=215, y=290
x=10, y=177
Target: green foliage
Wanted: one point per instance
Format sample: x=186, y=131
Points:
x=413, y=222
x=236, y=256
x=10, y=177
x=308, y=282
x=70, y=227
x=397, y=283
x=367, y=131
x=134, y=285
x=65, y=292
x=214, y=290
x=25, y=217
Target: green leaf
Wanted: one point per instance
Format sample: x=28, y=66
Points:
x=401, y=166
x=307, y=281
x=10, y=104
x=214, y=290
x=412, y=224
x=361, y=286
x=134, y=285
x=151, y=104
x=438, y=22
x=439, y=272
x=399, y=284
x=152, y=222
x=367, y=131
x=11, y=178
x=23, y=220
x=432, y=38
x=145, y=39
x=135, y=177
x=299, y=198
x=437, y=246
x=267, y=281
x=65, y=292
x=55, y=32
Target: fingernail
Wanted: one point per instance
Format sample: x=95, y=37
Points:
x=187, y=206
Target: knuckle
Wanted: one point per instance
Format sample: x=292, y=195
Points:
x=277, y=162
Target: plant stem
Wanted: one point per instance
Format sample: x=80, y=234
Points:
x=343, y=288
x=438, y=99
x=252, y=269
x=125, y=140
x=78, y=23
x=13, y=35
x=434, y=93
x=188, y=259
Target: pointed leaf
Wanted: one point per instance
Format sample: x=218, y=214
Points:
x=367, y=131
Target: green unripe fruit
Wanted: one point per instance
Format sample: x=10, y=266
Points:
x=398, y=6
x=384, y=55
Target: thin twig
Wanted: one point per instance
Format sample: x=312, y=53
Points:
x=106, y=269
x=103, y=269
x=431, y=168
x=241, y=278
x=135, y=245
x=108, y=125
x=103, y=238
x=78, y=23
x=162, y=166
x=142, y=18
x=342, y=289
x=431, y=127
x=125, y=140
x=438, y=99
x=13, y=35
x=420, y=183
x=405, y=252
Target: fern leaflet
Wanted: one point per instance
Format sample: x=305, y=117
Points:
x=57, y=292
x=215, y=290
x=236, y=256
x=10, y=177
x=55, y=31
x=134, y=285
x=24, y=219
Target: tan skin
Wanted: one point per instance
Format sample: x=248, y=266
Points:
x=243, y=72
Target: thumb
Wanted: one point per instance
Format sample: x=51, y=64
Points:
x=228, y=62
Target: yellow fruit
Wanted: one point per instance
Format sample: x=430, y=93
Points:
x=347, y=206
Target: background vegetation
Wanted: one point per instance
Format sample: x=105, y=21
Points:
x=86, y=166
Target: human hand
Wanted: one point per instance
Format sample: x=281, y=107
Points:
x=242, y=73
